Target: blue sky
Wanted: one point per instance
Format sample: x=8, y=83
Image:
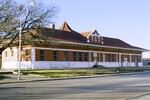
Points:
x=128, y=20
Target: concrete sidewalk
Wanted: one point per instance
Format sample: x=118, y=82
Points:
x=14, y=77
x=24, y=78
x=33, y=78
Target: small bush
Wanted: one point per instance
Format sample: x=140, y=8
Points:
x=98, y=66
x=2, y=77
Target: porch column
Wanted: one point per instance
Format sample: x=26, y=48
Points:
x=99, y=57
x=89, y=59
x=117, y=59
x=130, y=59
x=32, y=57
x=103, y=57
x=141, y=58
x=120, y=59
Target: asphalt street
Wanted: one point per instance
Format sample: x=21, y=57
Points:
x=116, y=87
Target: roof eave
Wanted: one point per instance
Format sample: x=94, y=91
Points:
x=143, y=50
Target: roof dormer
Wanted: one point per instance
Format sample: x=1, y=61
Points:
x=93, y=37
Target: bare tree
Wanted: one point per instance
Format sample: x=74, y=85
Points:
x=12, y=14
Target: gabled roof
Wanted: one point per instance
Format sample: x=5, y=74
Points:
x=85, y=34
x=113, y=42
x=66, y=34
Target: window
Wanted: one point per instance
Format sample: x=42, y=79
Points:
x=95, y=38
x=41, y=55
x=98, y=57
x=6, y=54
x=118, y=57
x=109, y=58
x=28, y=51
x=55, y=55
x=92, y=37
x=80, y=56
x=86, y=56
x=28, y=54
x=133, y=58
x=139, y=59
x=99, y=39
x=113, y=58
x=74, y=56
x=136, y=58
x=66, y=56
x=101, y=57
x=12, y=53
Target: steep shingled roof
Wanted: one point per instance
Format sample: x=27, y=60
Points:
x=113, y=42
x=66, y=34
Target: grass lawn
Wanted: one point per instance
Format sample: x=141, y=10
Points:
x=58, y=73
x=132, y=69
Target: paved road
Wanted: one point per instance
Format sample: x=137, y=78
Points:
x=120, y=87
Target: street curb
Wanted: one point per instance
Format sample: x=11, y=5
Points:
x=67, y=78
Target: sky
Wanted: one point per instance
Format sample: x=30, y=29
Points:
x=128, y=20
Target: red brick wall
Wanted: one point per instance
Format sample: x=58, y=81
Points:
x=48, y=56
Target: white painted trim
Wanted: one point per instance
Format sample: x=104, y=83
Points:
x=14, y=65
x=33, y=57
x=63, y=64
x=91, y=33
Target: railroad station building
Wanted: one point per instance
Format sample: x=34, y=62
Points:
x=66, y=48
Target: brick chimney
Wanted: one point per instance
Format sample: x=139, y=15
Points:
x=52, y=26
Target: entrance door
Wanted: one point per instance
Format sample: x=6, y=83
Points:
x=125, y=63
x=95, y=58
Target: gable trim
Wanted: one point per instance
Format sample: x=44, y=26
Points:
x=93, y=32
